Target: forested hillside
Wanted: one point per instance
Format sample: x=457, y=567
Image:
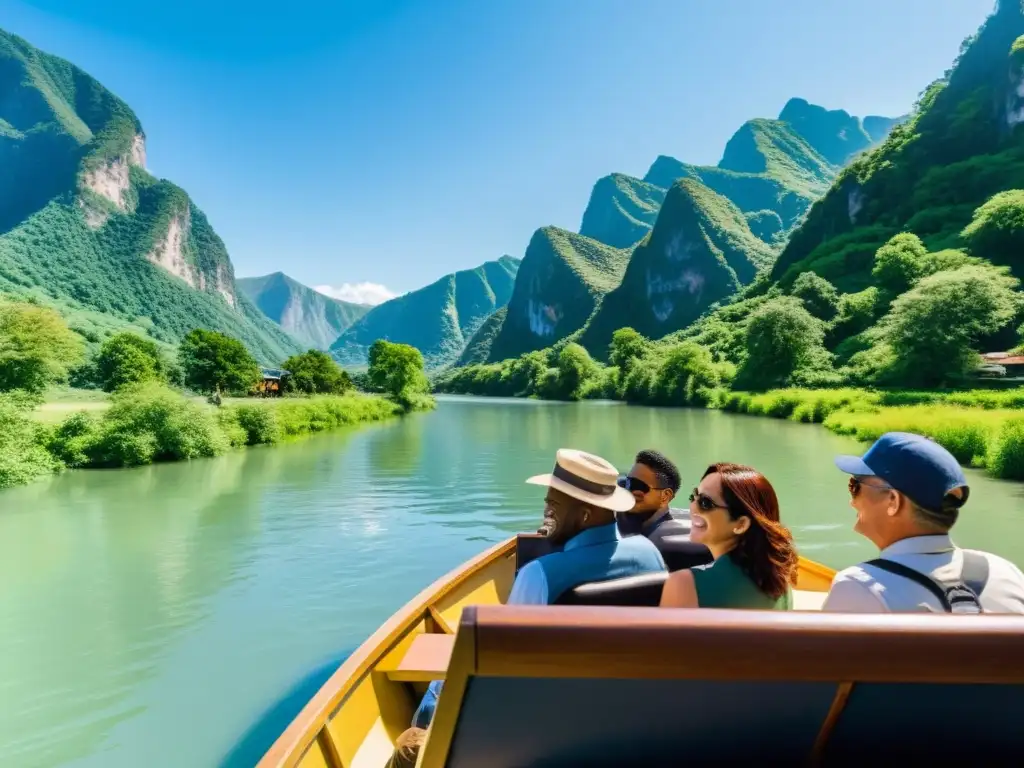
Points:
x=84, y=227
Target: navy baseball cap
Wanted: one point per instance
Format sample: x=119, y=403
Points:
x=913, y=465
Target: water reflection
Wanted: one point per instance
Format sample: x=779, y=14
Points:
x=178, y=605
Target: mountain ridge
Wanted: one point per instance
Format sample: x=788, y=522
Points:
x=438, y=319
x=306, y=314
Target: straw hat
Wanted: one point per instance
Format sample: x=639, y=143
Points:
x=588, y=478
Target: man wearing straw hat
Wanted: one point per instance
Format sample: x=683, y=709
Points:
x=579, y=517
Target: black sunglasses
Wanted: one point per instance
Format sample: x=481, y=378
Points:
x=705, y=502
x=636, y=485
x=856, y=484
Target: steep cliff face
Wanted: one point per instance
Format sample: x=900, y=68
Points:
x=562, y=278
x=74, y=155
x=438, y=320
x=312, y=318
x=961, y=146
x=700, y=251
x=621, y=210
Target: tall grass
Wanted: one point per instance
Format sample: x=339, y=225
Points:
x=981, y=428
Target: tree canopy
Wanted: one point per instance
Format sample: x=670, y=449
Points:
x=127, y=358
x=212, y=361
x=397, y=369
x=36, y=347
x=315, y=372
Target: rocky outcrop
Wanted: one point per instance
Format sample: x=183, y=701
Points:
x=112, y=181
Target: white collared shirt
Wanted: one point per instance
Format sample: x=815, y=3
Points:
x=866, y=589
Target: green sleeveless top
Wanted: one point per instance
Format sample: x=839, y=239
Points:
x=723, y=585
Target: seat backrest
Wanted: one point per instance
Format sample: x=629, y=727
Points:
x=530, y=546
x=679, y=552
x=567, y=686
x=642, y=590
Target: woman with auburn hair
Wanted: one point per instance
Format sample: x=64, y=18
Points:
x=735, y=514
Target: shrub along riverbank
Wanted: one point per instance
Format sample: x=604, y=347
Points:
x=982, y=428
x=151, y=423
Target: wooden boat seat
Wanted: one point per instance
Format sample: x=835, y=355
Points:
x=575, y=685
x=424, y=660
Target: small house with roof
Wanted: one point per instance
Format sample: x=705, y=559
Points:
x=271, y=382
x=1011, y=362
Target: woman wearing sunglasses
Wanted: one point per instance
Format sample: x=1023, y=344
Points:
x=735, y=514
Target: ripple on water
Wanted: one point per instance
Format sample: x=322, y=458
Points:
x=188, y=598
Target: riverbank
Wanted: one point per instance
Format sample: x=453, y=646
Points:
x=154, y=423
x=981, y=428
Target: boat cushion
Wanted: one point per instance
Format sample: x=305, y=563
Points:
x=679, y=552
x=642, y=590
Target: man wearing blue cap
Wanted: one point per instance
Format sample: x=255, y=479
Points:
x=908, y=491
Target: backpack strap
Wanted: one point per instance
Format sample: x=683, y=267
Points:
x=909, y=573
x=975, y=573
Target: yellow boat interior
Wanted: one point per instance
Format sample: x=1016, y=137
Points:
x=588, y=683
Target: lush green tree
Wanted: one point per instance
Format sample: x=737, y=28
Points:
x=576, y=369
x=687, y=375
x=36, y=347
x=782, y=337
x=315, y=372
x=900, y=262
x=819, y=296
x=214, y=361
x=127, y=358
x=996, y=232
x=627, y=346
x=397, y=370
x=931, y=329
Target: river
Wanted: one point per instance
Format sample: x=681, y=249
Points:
x=155, y=616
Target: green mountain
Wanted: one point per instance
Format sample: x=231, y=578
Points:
x=621, y=210
x=309, y=316
x=84, y=228
x=962, y=145
x=438, y=320
x=700, y=251
x=479, y=347
x=771, y=169
x=835, y=134
x=560, y=283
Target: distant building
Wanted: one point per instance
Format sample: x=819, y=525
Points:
x=270, y=384
x=1012, y=364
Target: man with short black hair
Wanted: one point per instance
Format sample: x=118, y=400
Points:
x=908, y=492
x=654, y=482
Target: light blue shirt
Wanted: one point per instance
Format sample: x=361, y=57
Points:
x=615, y=556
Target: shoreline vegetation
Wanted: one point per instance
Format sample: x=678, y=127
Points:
x=982, y=428
x=133, y=402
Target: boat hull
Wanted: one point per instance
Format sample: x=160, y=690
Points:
x=354, y=719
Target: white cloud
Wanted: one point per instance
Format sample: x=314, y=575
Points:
x=358, y=293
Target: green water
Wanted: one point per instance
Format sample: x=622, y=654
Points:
x=151, y=616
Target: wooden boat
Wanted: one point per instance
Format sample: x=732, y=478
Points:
x=543, y=685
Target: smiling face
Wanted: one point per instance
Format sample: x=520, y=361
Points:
x=711, y=522
x=564, y=517
x=648, y=494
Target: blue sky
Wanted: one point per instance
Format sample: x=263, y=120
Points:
x=392, y=142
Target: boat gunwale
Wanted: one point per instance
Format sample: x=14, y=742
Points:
x=302, y=732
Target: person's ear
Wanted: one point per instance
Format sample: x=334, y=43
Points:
x=668, y=495
x=741, y=525
x=895, y=503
